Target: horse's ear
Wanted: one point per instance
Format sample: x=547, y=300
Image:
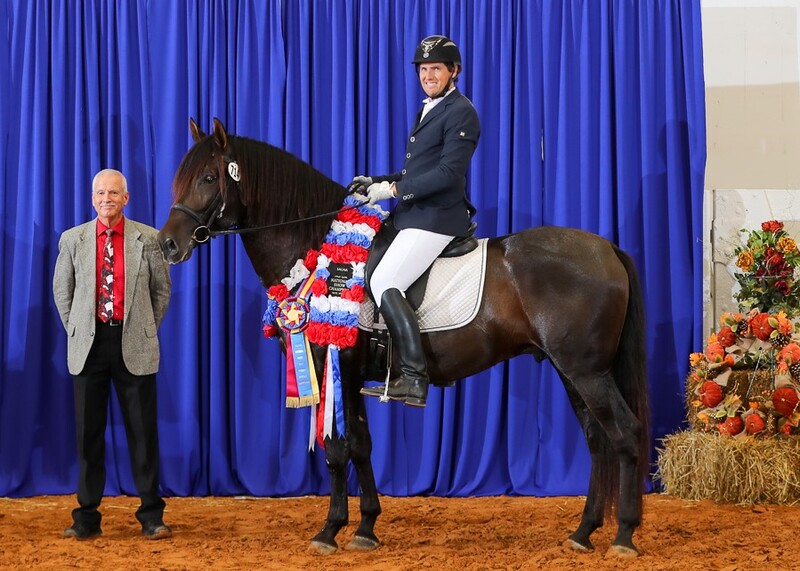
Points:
x=197, y=134
x=220, y=136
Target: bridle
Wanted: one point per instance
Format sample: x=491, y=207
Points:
x=214, y=210
x=204, y=219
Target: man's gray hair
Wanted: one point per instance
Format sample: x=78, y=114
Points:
x=110, y=171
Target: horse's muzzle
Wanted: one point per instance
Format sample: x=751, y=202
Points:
x=171, y=251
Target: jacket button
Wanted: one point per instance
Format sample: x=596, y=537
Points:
x=403, y=171
x=408, y=155
x=412, y=139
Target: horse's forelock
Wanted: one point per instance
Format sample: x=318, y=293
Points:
x=192, y=166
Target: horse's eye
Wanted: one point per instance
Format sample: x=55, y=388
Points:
x=209, y=178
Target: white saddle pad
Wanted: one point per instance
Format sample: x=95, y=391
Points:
x=453, y=295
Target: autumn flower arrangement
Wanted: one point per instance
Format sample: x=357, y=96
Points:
x=767, y=261
x=760, y=342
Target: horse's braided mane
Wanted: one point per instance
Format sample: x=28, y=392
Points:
x=275, y=185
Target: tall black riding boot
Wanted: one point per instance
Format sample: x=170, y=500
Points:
x=411, y=386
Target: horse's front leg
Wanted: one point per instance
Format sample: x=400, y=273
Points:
x=360, y=453
x=336, y=456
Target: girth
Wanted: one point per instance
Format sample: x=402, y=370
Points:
x=458, y=246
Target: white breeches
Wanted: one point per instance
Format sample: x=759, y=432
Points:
x=409, y=255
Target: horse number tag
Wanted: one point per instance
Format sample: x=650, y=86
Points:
x=233, y=170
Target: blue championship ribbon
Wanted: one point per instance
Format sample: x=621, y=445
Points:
x=338, y=404
x=301, y=378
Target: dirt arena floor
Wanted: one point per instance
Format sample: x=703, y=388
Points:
x=416, y=533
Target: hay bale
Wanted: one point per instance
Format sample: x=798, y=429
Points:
x=698, y=465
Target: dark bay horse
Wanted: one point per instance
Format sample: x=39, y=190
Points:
x=547, y=291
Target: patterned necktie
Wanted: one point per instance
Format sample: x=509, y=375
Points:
x=105, y=300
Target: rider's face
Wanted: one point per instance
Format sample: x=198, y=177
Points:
x=434, y=78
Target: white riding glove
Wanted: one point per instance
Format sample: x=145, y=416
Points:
x=379, y=191
x=359, y=184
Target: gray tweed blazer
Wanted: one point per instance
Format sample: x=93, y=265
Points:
x=147, y=292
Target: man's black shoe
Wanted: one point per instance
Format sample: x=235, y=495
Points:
x=156, y=530
x=82, y=531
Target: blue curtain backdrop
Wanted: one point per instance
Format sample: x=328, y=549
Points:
x=593, y=117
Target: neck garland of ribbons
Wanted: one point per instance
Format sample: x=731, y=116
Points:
x=322, y=307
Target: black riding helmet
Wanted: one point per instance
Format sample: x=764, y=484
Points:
x=437, y=49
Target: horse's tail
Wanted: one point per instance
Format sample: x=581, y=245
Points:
x=630, y=369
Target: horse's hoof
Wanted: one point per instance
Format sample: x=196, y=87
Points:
x=575, y=546
x=360, y=543
x=623, y=552
x=321, y=548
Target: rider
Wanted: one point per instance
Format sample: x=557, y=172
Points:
x=432, y=206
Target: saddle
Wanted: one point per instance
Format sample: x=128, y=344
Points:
x=376, y=365
x=458, y=246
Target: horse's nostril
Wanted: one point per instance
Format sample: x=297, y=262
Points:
x=170, y=247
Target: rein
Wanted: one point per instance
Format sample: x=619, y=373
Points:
x=216, y=207
x=214, y=233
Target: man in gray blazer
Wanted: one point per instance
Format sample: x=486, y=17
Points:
x=111, y=287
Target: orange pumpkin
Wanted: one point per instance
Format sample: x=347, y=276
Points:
x=710, y=394
x=760, y=326
x=715, y=352
x=754, y=424
x=726, y=336
x=733, y=425
x=784, y=400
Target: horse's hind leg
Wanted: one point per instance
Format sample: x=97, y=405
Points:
x=360, y=454
x=593, y=509
x=605, y=403
x=624, y=430
x=336, y=456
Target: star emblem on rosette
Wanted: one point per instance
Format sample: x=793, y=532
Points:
x=293, y=314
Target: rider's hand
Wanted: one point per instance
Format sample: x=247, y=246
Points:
x=359, y=184
x=380, y=191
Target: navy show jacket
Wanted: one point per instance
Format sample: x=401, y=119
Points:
x=431, y=188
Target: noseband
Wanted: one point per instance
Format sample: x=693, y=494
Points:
x=204, y=219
